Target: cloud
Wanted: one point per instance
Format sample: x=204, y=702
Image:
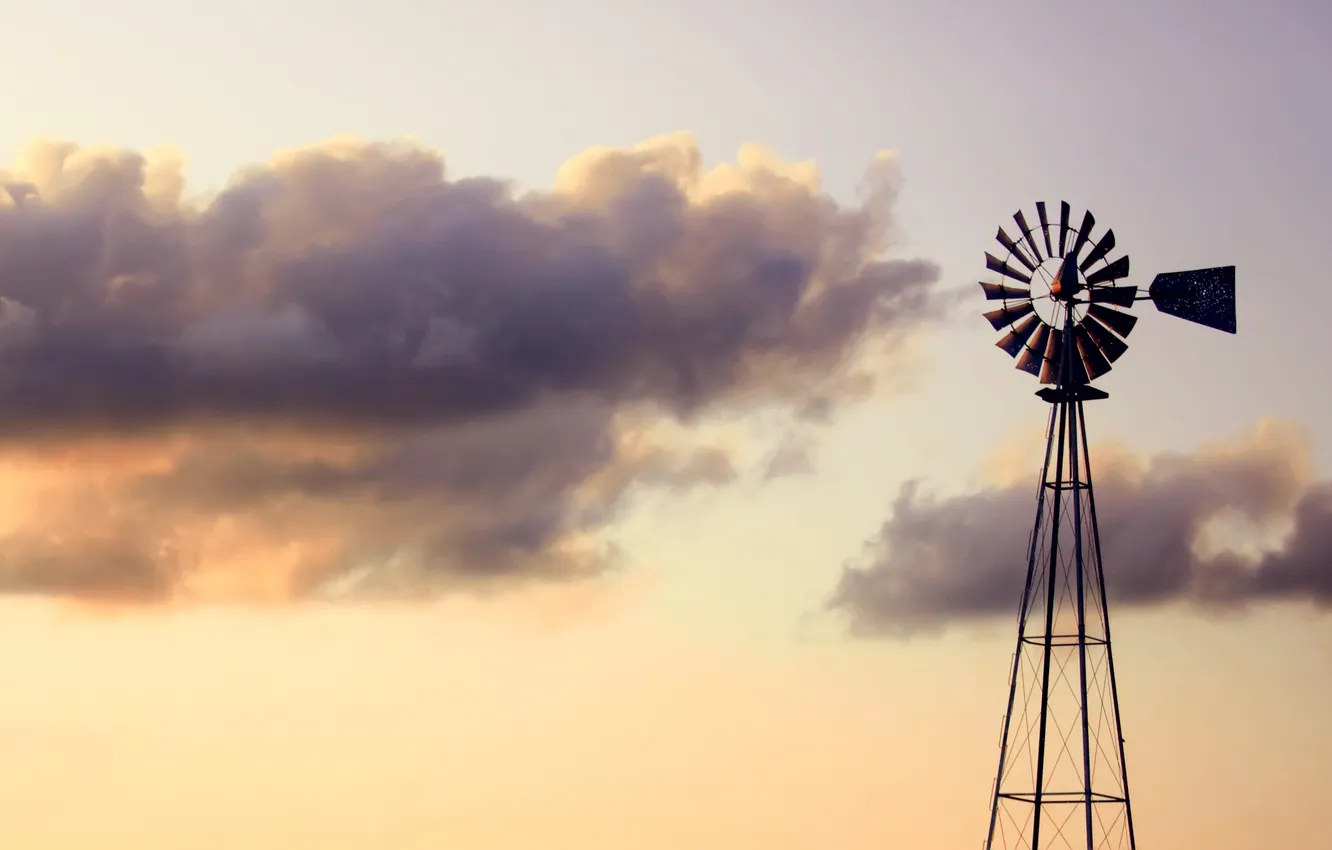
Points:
x=1228, y=525
x=793, y=456
x=346, y=368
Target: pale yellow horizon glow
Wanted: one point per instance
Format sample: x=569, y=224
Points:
x=458, y=725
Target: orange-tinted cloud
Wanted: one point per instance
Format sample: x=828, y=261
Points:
x=1174, y=526
x=345, y=368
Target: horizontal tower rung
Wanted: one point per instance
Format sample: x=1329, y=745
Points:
x=1064, y=640
x=1067, y=485
x=1062, y=798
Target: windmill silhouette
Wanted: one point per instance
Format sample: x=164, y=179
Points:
x=1062, y=780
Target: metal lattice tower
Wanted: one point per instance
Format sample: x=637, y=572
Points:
x=1063, y=780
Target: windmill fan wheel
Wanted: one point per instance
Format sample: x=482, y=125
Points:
x=1056, y=279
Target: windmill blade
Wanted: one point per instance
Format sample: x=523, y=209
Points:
x=1111, y=346
x=1120, y=296
x=1203, y=296
x=1045, y=227
x=995, y=264
x=1016, y=340
x=1064, y=210
x=1050, y=362
x=1008, y=314
x=1078, y=370
x=1033, y=355
x=1120, y=323
x=1096, y=362
x=1084, y=233
x=1027, y=235
x=1013, y=249
x=1030, y=362
x=1119, y=268
x=1103, y=247
x=995, y=291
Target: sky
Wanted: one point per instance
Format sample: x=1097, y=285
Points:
x=571, y=425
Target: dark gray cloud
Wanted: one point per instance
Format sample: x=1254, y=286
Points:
x=1168, y=528
x=350, y=360
x=358, y=286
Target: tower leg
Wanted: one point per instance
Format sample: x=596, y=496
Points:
x=1109, y=652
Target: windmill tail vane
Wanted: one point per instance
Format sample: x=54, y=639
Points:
x=1065, y=316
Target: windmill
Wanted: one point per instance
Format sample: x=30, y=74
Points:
x=1062, y=780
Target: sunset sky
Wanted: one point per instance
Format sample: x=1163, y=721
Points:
x=465, y=426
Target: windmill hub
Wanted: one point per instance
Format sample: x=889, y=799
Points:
x=1067, y=283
